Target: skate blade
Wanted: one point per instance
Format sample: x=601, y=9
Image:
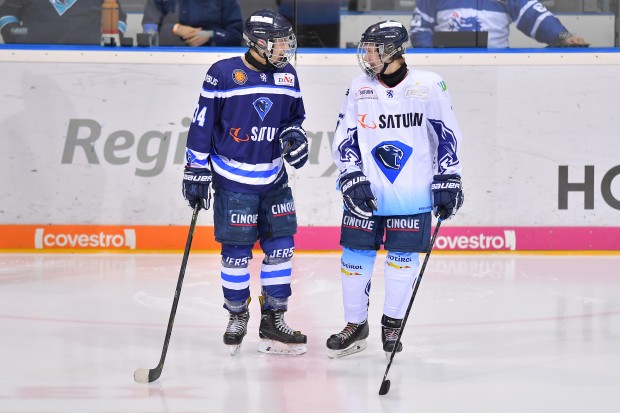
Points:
x=275, y=347
x=352, y=349
x=234, y=349
x=388, y=354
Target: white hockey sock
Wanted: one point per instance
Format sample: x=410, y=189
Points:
x=400, y=271
x=356, y=269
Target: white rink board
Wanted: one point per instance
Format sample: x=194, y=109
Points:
x=521, y=121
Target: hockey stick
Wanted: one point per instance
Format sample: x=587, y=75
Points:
x=385, y=384
x=150, y=375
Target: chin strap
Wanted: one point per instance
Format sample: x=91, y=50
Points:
x=395, y=78
x=263, y=67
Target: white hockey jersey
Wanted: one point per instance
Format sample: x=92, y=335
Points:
x=399, y=138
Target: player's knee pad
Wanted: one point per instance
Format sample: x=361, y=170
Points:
x=235, y=276
x=400, y=271
x=236, y=256
x=401, y=264
x=356, y=270
x=278, y=250
x=276, y=271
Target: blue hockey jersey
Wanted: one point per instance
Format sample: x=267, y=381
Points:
x=236, y=123
x=492, y=16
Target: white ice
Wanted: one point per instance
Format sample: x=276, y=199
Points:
x=487, y=333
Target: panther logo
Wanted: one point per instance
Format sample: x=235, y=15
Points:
x=389, y=155
x=262, y=106
x=465, y=24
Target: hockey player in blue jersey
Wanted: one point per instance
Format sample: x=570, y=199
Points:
x=396, y=145
x=492, y=16
x=246, y=123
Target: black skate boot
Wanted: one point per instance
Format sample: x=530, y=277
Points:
x=390, y=329
x=277, y=337
x=351, y=340
x=236, y=330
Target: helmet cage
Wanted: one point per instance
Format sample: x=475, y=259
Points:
x=373, y=65
x=379, y=44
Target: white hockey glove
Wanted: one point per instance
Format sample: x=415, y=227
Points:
x=294, y=146
x=447, y=195
x=357, y=194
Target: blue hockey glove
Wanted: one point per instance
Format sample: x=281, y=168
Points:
x=447, y=195
x=294, y=146
x=357, y=194
x=196, y=183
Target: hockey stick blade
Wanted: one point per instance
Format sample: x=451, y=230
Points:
x=146, y=375
x=385, y=383
x=150, y=375
x=385, y=388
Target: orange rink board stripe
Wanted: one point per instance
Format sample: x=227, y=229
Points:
x=125, y=238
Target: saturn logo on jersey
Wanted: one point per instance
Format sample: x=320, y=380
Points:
x=391, y=157
x=362, y=121
x=234, y=132
x=365, y=93
x=262, y=106
x=239, y=76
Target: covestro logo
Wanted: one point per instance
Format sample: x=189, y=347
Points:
x=481, y=241
x=84, y=238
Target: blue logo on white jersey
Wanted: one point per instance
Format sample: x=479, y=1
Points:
x=391, y=157
x=465, y=24
x=262, y=106
x=349, y=148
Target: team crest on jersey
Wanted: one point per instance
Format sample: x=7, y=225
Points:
x=284, y=79
x=239, y=76
x=62, y=6
x=365, y=93
x=391, y=156
x=262, y=106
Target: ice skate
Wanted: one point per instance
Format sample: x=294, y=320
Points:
x=390, y=330
x=236, y=330
x=351, y=340
x=277, y=337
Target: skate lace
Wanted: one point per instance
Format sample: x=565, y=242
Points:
x=391, y=334
x=236, y=323
x=281, y=324
x=348, y=331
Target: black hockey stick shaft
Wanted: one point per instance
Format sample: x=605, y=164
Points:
x=385, y=384
x=153, y=374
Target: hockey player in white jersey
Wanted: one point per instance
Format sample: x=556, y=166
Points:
x=246, y=124
x=492, y=16
x=396, y=138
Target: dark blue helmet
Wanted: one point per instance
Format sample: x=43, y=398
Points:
x=379, y=43
x=271, y=35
